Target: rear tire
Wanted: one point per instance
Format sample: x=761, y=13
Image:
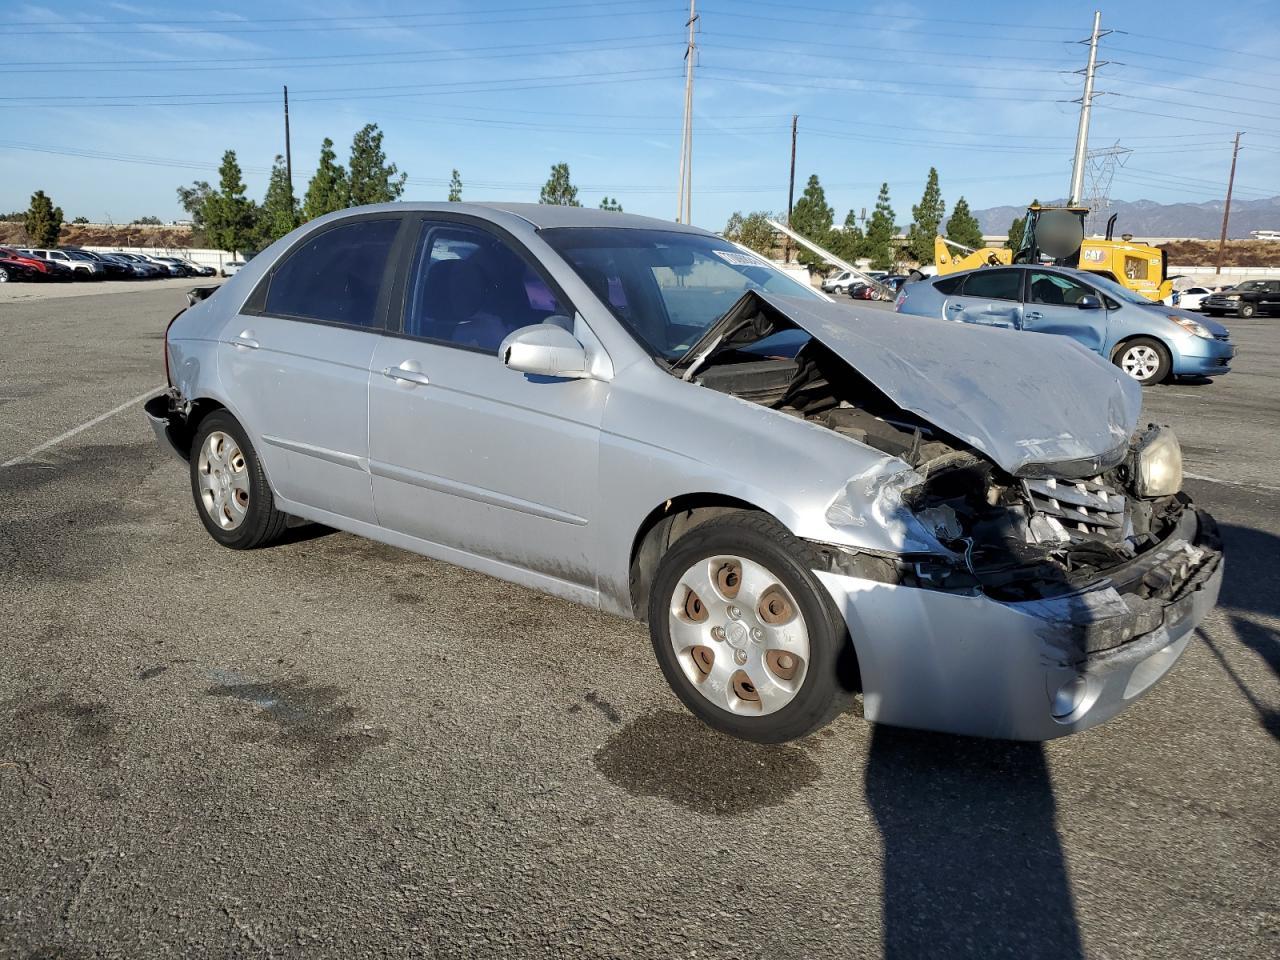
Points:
x=230, y=488
x=1145, y=359
x=776, y=636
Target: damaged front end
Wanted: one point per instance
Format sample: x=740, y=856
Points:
x=1079, y=578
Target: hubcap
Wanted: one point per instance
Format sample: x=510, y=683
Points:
x=738, y=635
x=223, y=480
x=1140, y=362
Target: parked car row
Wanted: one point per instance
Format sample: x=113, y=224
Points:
x=72, y=263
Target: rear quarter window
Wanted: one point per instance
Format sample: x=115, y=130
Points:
x=948, y=285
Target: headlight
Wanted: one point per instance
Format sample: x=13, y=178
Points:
x=1191, y=326
x=1233, y=296
x=1158, y=464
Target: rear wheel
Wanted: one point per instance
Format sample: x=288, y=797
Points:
x=745, y=634
x=1145, y=359
x=1246, y=310
x=230, y=489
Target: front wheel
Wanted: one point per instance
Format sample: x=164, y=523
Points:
x=4, y=275
x=1145, y=359
x=1246, y=310
x=230, y=489
x=745, y=634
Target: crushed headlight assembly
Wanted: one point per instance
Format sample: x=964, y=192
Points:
x=1191, y=326
x=1158, y=464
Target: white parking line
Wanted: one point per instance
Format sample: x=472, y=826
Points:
x=1232, y=483
x=36, y=451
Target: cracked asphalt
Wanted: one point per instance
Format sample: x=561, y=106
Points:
x=337, y=749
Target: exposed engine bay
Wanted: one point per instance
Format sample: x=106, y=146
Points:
x=1011, y=537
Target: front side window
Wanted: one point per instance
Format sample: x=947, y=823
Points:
x=667, y=287
x=470, y=288
x=1053, y=289
x=335, y=275
x=993, y=284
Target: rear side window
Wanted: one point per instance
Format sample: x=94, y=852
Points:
x=336, y=275
x=948, y=285
x=993, y=284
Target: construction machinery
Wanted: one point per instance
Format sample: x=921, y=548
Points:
x=1056, y=235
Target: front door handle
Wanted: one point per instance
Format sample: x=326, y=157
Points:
x=406, y=373
x=1034, y=315
x=955, y=306
x=245, y=339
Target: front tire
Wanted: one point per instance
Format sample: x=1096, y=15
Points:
x=746, y=635
x=230, y=488
x=4, y=275
x=1246, y=311
x=1145, y=359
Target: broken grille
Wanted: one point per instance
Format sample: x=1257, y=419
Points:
x=1087, y=509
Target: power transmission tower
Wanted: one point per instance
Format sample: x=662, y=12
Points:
x=1101, y=170
x=684, y=199
x=1226, y=210
x=1086, y=104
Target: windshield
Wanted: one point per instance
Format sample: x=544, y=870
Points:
x=666, y=287
x=1114, y=290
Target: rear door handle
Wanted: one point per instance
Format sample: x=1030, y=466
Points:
x=955, y=306
x=406, y=374
x=1034, y=315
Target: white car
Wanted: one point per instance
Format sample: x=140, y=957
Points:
x=232, y=267
x=1189, y=299
x=841, y=282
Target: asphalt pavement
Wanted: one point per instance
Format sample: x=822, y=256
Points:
x=334, y=748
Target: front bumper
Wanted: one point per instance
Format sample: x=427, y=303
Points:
x=981, y=667
x=1196, y=356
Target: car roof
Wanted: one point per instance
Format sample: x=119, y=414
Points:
x=538, y=215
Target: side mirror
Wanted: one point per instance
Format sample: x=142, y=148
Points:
x=1089, y=302
x=545, y=350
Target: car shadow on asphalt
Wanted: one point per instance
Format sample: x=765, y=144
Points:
x=973, y=865
x=1248, y=592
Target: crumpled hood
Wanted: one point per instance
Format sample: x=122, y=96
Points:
x=1036, y=404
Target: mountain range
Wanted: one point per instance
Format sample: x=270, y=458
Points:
x=1146, y=218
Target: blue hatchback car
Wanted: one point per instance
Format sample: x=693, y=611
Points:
x=1149, y=341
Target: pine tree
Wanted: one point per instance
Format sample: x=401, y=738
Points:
x=880, y=230
x=1014, y=240
x=328, y=190
x=926, y=220
x=812, y=217
x=230, y=217
x=848, y=244
x=455, y=187
x=43, y=221
x=963, y=227
x=611, y=204
x=279, y=212
x=558, y=189
x=371, y=179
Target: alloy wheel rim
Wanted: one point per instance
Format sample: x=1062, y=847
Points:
x=738, y=635
x=222, y=476
x=1140, y=362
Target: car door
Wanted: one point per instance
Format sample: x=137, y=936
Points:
x=1269, y=301
x=1053, y=306
x=464, y=452
x=295, y=362
x=989, y=297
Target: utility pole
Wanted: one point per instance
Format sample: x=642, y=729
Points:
x=1226, y=211
x=1086, y=102
x=288, y=151
x=791, y=190
x=684, y=199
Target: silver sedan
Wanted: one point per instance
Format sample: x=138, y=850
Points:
x=804, y=501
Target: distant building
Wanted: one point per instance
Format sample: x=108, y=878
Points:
x=1265, y=234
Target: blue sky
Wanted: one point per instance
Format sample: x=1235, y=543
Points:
x=110, y=106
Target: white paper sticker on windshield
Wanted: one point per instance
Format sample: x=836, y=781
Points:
x=739, y=259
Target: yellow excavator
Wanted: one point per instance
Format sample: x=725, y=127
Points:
x=1056, y=235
